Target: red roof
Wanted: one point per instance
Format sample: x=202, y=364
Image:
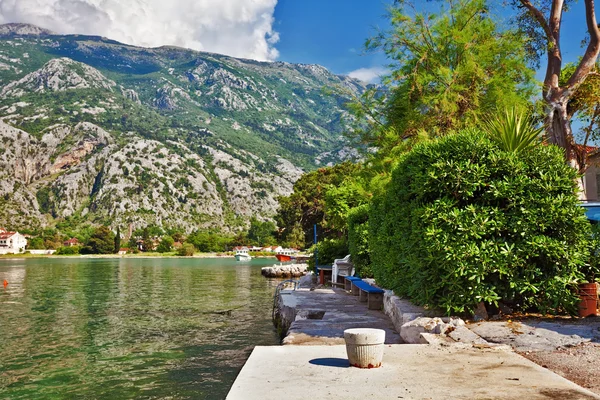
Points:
x=72, y=241
x=6, y=235
x=588, y=149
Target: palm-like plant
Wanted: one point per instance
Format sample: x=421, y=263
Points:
x=514, y=130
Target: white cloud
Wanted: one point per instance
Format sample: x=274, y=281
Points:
x=370, y=75
x=240, y=28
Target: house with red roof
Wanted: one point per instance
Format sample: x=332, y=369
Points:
x=71, y=242
x=12, y=242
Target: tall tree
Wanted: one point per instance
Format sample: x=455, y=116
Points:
x=261, y=233
x=117, y=240
x=101, y=242
x=449, y=69
x=542, y=20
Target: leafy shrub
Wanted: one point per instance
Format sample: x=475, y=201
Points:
x=328, y=250
x=165, y=245
x=68, y=250
x=462, y=222
x=187, y=250
x=358, y=240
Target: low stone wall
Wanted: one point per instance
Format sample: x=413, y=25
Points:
x=46, y=252
x=285, y=271
x=401, y=311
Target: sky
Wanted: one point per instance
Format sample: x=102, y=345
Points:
x=326, y=32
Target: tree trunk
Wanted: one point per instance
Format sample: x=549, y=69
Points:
x=558, y=125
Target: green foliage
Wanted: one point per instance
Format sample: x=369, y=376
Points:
x=262, y=233
x=44, y=200
x=339, y=200
x=450, y=65
x=328, y=250
x=117, y=247
x=187, y=250
x=208, y=242
x=306, y=205
x=514, y=131
x=68, y=250
x=296, y=238
x=35, y=243
x=101, y=242
x=358, y=240
x=463, y=221
x=165, y=245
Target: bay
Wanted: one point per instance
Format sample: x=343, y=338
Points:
x=124, y=328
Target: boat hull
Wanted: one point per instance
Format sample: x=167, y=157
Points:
x=242, y=257
x=284, y=257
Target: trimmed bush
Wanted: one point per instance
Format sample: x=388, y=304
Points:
x=462, y=221
x=358, y=240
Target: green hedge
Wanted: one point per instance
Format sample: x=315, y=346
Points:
x=462, y=222
x=358, y=240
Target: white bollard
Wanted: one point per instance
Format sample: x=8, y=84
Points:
x=364, y=347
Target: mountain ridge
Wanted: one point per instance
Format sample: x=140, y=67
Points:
x=165, y=136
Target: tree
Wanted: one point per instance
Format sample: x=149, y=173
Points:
x=147, y=241
x=261, y=233
x=296, y=239
x=35, y=243
x=545, y=30
x=305, y=206
x=187, y=250
x=101, y=242
x=117, y=240
x=449, y=69
x=165, y=245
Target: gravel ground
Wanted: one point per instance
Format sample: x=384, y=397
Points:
x=579, y=364
x=569, y=347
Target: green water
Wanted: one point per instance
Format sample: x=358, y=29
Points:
x=129, y=328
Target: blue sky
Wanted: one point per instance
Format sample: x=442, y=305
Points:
x=332, y=33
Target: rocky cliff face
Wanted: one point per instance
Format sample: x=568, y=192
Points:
x=92, y=130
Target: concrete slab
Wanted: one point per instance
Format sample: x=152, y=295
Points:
x=408, y=372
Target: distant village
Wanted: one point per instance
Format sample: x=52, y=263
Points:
x=17, y=243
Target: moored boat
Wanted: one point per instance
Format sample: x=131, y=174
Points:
x=241, y=254
x=284, y=257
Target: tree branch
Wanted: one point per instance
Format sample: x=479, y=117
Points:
x=591, y=53
x=539, y=17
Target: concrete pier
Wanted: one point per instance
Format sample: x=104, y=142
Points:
x=320, y=316
x=408, y=372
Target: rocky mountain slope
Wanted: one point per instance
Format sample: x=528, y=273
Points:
x=92, y=130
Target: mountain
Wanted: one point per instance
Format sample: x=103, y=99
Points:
x=96, y=131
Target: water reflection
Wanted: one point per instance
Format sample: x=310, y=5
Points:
x=129, y=328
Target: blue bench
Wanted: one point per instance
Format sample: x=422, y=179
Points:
x=348, y=282
x=370, y=294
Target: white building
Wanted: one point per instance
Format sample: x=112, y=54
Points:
x=12, y=242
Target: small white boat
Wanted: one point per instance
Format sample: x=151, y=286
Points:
x=242, y=255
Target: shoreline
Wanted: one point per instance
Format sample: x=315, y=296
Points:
x=200, y=255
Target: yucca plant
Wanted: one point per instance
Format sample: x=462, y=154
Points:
x=514, y=130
